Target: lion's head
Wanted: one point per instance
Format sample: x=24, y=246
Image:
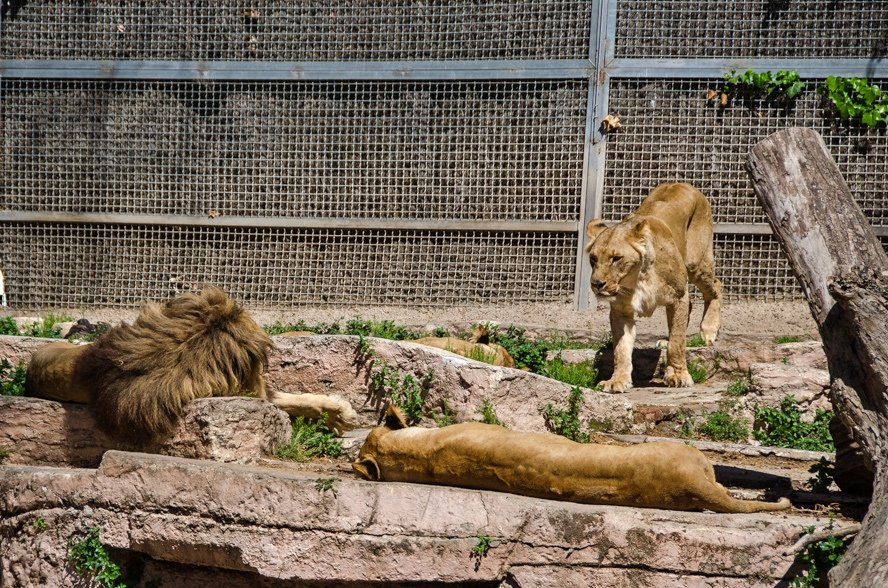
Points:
x=618, y=255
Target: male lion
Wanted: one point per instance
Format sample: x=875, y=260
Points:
x=489, y=457
x=645, y=261
x=138, y=378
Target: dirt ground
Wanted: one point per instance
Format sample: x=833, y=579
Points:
x=740, y=319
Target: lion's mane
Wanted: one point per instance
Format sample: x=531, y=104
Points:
x=196, y=345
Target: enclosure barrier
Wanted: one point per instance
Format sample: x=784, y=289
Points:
x=395, y=153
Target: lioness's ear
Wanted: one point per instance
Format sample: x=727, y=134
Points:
x=367, y=468
x=594, y=228
x=643, y=242
x=394, y=418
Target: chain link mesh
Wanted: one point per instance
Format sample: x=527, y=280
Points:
x=672, y=132
x=431, y=150
x=123, y=265
x=759, y=28
x=281, y=30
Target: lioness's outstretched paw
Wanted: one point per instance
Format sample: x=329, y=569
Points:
x=343, y=417
x=677, y=378
x=615, y=385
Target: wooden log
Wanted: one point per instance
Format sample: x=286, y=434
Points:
x=843, y=271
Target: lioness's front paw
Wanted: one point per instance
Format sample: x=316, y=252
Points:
x=343, y=418
x=708, y=337
x=616, y=385
x=677, y=378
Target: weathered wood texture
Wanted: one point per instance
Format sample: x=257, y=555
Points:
x=843, y=271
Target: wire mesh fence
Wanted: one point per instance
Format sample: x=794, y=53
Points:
x=415, y=177
x=744, y=28
x=673, y=131
x=123, y=265
x=280, y=30
x=455, y=150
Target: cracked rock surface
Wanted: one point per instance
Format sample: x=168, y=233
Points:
x=190, y=520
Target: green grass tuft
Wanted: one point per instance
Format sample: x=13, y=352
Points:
x=310, y=439
x=583, y=373
x=91, y=562
x=566, y=422
x=784, y=427
x=722, y=426
x=12, y=379
x=488, y=413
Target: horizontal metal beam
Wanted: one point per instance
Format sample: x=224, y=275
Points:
x=361, y=224
x=758, y=229
x=297, y=70
x=716, y=68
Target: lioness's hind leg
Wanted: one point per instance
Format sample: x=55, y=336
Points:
x=711, y=288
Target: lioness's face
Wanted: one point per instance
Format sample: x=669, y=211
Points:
x=615, y=258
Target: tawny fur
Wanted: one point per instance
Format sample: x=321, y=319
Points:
x=478, y=345
x=645, y=262
x=139, y=378
x=489, y=457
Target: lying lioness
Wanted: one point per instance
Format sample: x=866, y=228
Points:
x=478, y=347
x=489, y=457
x=645, y=262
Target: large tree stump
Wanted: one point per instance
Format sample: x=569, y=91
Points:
x=843, y=271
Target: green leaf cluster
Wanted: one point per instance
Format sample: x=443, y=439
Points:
x=785, y=427
x=583, y=373
x=782, y=86
x=12, y=379
x=404, y=390
x=566, y=422
x=488, y=413
x=722, y=426
x=310, y=439
x=824, y=475
x=857, y=100
x=90, y=560
x=8, y=326
x=818, y=558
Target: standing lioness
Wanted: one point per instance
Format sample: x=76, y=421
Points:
x=645, y=261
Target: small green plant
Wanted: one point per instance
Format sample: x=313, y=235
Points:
x=46, y=327
x=857, y=100
x=781, y=87
x=8, y=326
x=695, y=341
x=784, y=427
x=479, y=354
x=787, y=339
x=91, y=562
x=738, y=387
x=40, y=524
x=446, y=417
x=722, y=426
x=582, y=373
x=384, y=329
x=698, y=371
x=310, y=439
x=567, y=422
x=488, y=413
x=818, y=558
x=482, y=547
x=12, y=379
x=824, y=474
x=326, y=485
x=404, y=390
x=4, y=453
x=687, y=426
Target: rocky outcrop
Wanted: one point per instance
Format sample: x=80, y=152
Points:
x=771, y=382
x=42, y=432
x=342, y=365
x=197, y=521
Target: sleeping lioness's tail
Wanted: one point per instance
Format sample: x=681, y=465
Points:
x=194, y=346
x=717, y=499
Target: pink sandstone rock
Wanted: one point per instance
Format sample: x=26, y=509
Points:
x=42, y=432
x=263, y=525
